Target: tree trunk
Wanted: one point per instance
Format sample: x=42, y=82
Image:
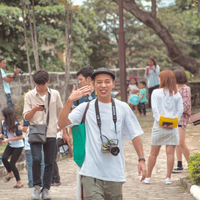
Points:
x=32, y=37
x=67, y=53
x=153, y=7
x=2, y=96
x=26, y=42
x=35, y=34
x=173, y=52
x=199, y=10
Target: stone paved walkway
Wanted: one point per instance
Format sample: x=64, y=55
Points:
x=133, y=189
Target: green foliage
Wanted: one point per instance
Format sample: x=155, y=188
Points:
x=194, y=168
x=141, y=42
x=2, y=148
x=50, y=25
x=95, y=34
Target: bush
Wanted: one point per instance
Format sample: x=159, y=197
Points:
x=194, y=168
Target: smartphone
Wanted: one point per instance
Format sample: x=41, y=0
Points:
x=167, y=123
x=42, y=105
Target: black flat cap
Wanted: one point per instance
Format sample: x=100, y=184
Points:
x=103, y=70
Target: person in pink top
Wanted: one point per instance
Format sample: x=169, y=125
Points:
x=184, y=90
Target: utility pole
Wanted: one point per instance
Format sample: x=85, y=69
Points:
x=122, y=56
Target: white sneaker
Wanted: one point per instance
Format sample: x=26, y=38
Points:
x=147, y=180
x=168, y=181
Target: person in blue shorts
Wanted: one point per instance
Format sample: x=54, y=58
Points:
x=6, y=81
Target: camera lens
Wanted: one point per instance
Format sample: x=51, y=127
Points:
x=114, y=150
x=20, y=71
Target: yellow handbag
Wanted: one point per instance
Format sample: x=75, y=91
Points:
x=168, y=121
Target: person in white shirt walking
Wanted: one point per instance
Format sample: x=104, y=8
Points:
x=107, y=121
x=168, y=102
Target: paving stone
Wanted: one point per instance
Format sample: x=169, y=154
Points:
x=133, y=189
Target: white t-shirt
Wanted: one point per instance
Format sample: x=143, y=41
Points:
x=105, y=166
x=163, y=104
x=7, y=134
x=43, y=97
x=132, y=87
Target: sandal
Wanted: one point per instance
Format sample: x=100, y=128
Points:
x=7, y=178
x=18, y=186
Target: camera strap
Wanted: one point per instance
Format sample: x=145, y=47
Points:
x=99, y=118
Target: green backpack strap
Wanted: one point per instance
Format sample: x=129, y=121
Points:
x=84, y=115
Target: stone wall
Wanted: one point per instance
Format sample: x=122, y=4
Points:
x=21, y=84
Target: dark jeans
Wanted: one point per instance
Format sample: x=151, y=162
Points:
x=142, y=108
x=15, y=154
x=150, y=92
x=55, y=173
x=10, y=103
x=49, y=150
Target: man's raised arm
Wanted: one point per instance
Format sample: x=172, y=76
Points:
x=75, y=95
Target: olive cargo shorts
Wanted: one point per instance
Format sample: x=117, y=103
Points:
x=95, y=189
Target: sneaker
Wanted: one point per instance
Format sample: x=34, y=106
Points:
x=55, y=184
x=36, y=193
x=168, y=181
x=147, y=180
x=177, y=169
x=45, y=194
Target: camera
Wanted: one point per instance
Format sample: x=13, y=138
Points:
x=20, y=71
x=110, y=146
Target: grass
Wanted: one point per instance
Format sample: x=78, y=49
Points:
x=2, y=147
x=182, y=188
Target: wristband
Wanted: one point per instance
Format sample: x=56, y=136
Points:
x=141, y=159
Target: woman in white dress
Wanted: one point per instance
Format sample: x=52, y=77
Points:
x=168, y=102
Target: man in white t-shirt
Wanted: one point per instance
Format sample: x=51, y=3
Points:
x=102, y=171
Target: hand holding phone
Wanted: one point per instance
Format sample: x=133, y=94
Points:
x=39, y=107
x=42, y=105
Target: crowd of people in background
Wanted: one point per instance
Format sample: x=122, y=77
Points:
x=106, y=119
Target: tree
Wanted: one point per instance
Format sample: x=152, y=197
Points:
x=150, y=20
x=68, y=38
x=26, y=42
x=50, y=26
x=141, y=42
x=2, y=96
x=33, y=34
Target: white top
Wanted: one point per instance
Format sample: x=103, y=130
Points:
x=97, y=164
x=132, y=87
x=163, y=104
x=152, y=77
x=7, y=134
x=43, y=97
